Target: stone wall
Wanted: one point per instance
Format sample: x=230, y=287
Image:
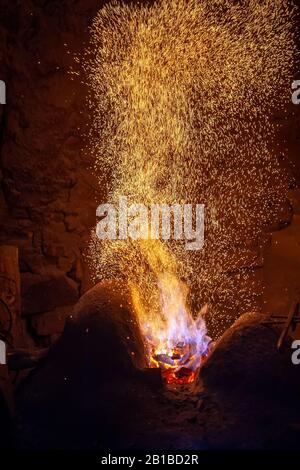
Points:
x=48, y=195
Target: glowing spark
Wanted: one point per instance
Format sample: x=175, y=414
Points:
x=183, y=92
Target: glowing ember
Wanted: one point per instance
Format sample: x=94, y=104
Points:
x=177, y=343
x=179, y=365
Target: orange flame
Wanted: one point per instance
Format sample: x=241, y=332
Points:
x=175, y=341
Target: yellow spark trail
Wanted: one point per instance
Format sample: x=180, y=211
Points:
x=183, y=94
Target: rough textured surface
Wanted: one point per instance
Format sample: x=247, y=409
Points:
x=256, y=387
x=108, y=304
x=89, y=394
x=282, y=265
x=89, y=377
x=51, y=323
x=42, y=293
x=47, y=197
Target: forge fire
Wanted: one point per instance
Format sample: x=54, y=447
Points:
x=150, y=221
x=179, y=343
x=180, y=363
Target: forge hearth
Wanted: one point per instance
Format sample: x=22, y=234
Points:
x=179, y=365
x=120, y=403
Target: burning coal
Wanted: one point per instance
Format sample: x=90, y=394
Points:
x=176, y=341
x=182, y=95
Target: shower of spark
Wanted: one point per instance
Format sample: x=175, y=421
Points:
x=182, y=97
